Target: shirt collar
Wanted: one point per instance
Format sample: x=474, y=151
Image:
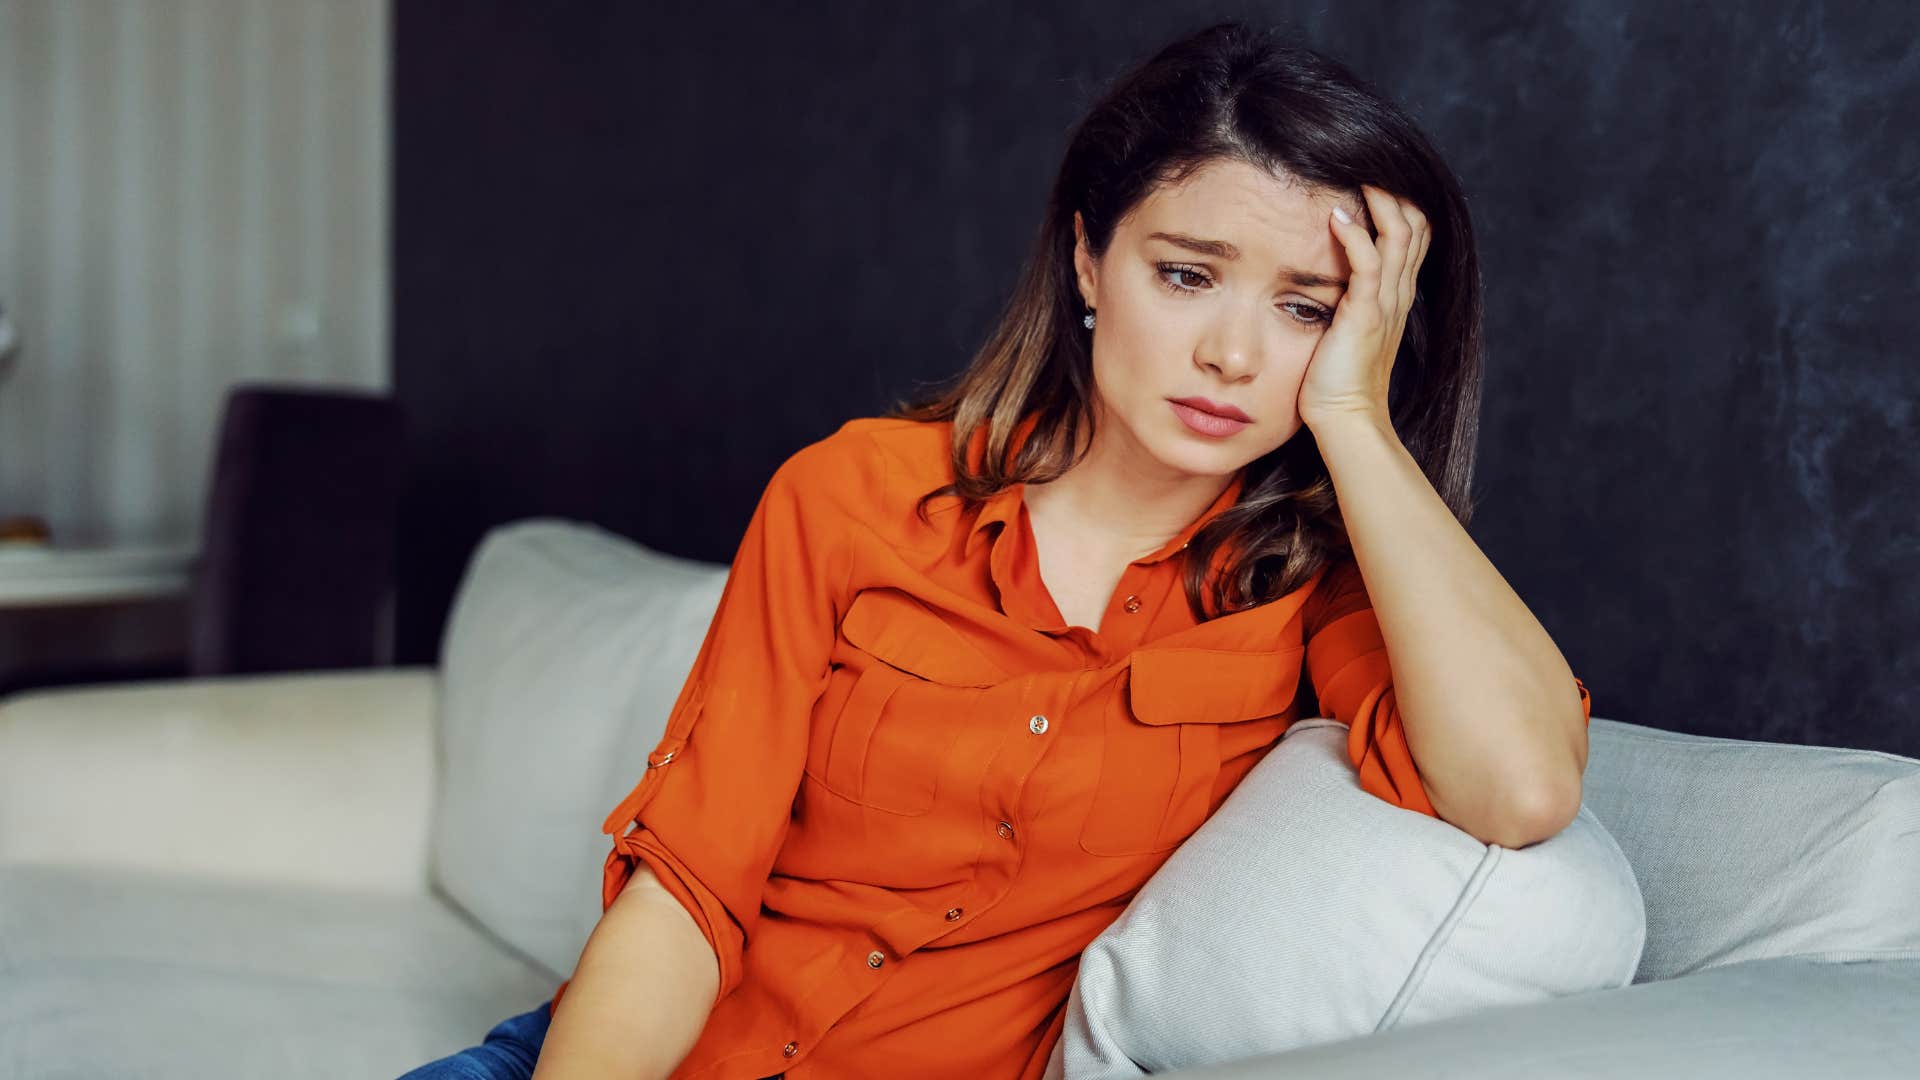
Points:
x=1003, y=507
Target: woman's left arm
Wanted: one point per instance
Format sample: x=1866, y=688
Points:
x=1492, y=713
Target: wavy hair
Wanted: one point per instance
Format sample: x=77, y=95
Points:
x=1235, y=93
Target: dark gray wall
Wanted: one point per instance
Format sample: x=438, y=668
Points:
x=642, y=253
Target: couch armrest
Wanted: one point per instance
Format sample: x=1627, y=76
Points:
x=321, y=778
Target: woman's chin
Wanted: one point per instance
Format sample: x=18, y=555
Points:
x=1189, y=455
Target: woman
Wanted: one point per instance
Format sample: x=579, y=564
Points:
x=981, y=665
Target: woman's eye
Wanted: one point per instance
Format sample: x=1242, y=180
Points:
x=1307, y=313
x=1169, y=271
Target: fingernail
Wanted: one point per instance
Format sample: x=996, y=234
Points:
x=1341, y=213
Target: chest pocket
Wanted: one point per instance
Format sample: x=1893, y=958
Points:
x=1187, y=710
x=894, y=706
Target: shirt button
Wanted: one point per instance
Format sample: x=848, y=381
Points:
x=790, y=1049
x=1133, y=604
x=1006, y=831
x=1038, y=725
x=953, y=914
x=876, y=958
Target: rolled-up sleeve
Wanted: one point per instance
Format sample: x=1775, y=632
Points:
x=1347, y=665
x=711, y=809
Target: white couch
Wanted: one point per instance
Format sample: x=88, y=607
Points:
x=349, y=874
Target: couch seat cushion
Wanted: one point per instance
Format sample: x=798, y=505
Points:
x=1773, y=1019
x=107, y=972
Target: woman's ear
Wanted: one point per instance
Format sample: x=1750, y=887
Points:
x=1083, y=266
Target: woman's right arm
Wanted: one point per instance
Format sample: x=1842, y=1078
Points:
x=681, y=893
x=640, y=995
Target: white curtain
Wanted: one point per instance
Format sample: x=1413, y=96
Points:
x=192, y=193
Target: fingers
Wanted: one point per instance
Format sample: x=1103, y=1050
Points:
x=1422, y=234
x=1396, y=244
x=1386, y=270
x=1363, y=259
x=1404, y=233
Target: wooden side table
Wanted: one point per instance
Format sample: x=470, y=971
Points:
x=83, y=615
x=33, y=576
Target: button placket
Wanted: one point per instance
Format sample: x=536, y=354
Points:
x=1130, y=598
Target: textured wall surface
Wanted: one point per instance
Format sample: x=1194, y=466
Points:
x=641, y=256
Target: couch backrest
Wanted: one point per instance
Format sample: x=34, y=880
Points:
x=564, y=651
x=1751, y=849
x=567, y=646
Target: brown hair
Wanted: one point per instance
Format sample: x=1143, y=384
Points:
x=1227, y=92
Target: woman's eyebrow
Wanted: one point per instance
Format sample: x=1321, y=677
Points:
x=1220, y=249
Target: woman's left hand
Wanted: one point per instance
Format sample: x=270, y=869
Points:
x=1353, y=361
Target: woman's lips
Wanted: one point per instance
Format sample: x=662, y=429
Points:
x=1206, y=423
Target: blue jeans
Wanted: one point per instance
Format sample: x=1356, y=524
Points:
x=507, y=1053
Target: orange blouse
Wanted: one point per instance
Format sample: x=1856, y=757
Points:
x=918, y=794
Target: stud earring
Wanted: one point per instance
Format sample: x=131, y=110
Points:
x=1087, y=321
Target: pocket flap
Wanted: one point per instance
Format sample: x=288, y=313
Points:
x=897, y=627
x=1212, y=686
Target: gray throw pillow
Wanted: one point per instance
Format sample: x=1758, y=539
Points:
x=1307, y=910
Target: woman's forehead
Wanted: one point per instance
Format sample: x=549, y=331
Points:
x=1234, y=193
x=1233, y=211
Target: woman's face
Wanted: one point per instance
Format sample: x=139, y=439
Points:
x=1235, y=324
